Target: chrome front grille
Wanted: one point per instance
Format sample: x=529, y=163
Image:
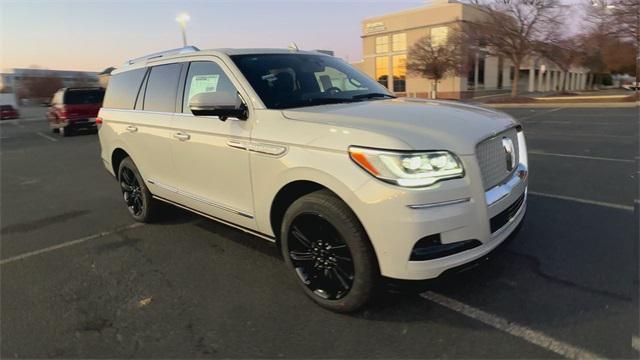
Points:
x=493, y=159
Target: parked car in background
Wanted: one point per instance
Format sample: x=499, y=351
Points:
x=8, y=112
x=301, y=149
x=633, y=86
x=74, y=109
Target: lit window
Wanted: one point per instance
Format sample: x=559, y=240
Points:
x=439, y=35
x=399, y=73
x=382, y=70
x=399, y=42
x=382, y=44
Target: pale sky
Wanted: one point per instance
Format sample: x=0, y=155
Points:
x=92, y=35
x=95, y=34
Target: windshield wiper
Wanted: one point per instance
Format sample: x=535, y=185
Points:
x=372, y=95
x=319, y=101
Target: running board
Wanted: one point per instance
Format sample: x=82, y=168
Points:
x=249, y=231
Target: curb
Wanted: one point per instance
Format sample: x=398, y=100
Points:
x=565, y=105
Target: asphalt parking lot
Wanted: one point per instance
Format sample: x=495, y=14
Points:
x=80, y=280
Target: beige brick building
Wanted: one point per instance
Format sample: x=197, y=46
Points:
x=387, y=39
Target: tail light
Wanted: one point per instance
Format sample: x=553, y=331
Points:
x=63, y=112
x=98, y=121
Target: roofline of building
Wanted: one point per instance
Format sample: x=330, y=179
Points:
x=411, y=10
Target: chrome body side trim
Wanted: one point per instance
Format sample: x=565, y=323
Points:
x=249, y=231
x=201, y=199
x=502, y=190
x=261, y=148
x=437, y=204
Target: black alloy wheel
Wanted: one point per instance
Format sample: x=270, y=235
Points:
x=140, y=202
x=132, y=192
x=324, y=244
x=320, y=256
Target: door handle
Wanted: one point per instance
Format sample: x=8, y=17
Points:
x=132, y=128
x=182, y=136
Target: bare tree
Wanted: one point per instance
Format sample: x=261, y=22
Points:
x=511, y=28
x=563, y=53
x=436, y=60
x=40, y=87
x=612, y=27
x=626, y=14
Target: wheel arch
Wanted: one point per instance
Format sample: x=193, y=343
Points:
x=117, y=155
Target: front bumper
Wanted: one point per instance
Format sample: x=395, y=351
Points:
x=456, y=211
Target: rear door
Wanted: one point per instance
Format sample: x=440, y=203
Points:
x=213, y=176
x=137, y=112
x=151, y=129
x=83, y=104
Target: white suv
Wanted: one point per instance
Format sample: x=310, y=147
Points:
x=301, y=149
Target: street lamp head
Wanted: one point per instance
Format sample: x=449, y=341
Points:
x=183, y=18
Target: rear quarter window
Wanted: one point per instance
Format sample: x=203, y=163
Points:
x=162, y=87
x=123, y=89
x=78, y=97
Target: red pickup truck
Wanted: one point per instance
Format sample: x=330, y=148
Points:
x=74, y=109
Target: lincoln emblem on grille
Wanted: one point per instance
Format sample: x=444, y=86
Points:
x=509, y=152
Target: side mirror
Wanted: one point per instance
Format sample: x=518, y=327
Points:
x=221, y=104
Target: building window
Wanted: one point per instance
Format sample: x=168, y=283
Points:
x=439, y=35
x=382, y=70
x=399, y=63
x=399, y=42
x=382, y=44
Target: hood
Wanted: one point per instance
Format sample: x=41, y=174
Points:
x=422, y=124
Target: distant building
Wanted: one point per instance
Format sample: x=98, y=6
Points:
x=17, y=80
x=387, y=39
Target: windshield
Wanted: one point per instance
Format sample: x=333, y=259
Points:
x=295, y=80
x=76, y=97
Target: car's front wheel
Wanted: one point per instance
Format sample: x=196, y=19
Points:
x=329, y=252
x=140, y=202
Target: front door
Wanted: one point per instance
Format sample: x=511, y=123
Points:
x=212, y=177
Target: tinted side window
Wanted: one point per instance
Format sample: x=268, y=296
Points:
x=162, y=88
x=75, y=97
x=122, y=89
x=205, y=76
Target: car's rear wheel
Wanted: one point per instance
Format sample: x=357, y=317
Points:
x=329, y=252
x=66, y=130
x=140, y=202
x=55, y=130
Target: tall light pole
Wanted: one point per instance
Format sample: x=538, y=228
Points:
x=183, y=19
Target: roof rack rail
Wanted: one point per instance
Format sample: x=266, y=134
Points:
x=182, y=50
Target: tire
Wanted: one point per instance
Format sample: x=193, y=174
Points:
x=321, y=221
x=139, y=200
x=55, y=130
x=66, y=131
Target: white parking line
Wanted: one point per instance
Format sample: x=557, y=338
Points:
x=68, y=243
x=584, y=201
x=533, y=336
x=635, y=343
x=50, y=138
x=579, y=156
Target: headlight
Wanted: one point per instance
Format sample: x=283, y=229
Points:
x=410, y=169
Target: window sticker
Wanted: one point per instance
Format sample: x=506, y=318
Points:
x=203, y=83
